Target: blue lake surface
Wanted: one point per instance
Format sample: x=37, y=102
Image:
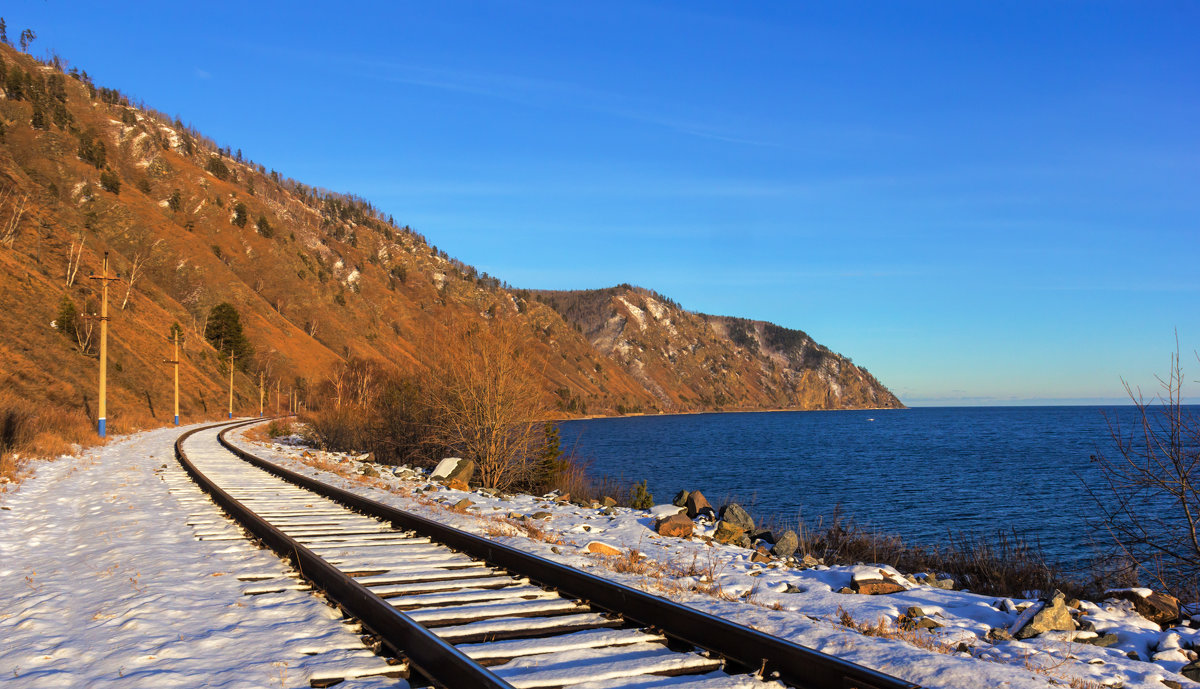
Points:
x=921, y=473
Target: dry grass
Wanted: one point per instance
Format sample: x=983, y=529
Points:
x=32, y=429
x=507, y=526
x=1003, y=565
x=887, y=628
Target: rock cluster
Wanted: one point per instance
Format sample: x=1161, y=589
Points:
x=734, y=526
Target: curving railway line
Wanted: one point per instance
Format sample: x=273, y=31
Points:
x=461, y=611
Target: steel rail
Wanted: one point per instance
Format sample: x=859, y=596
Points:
x=436, y=659
x=774, y=657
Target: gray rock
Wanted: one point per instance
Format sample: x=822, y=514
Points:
x=1048, y=615
x=734, y=514
x=792, y=588
x=785, y=545
x=540, y=515
x=1103, y=641
x=681, y=498
x=997, y=634
x=1191, y=671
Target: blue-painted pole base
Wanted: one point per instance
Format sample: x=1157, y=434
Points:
x=177, y=419
x=100, y=427
x=231, y=415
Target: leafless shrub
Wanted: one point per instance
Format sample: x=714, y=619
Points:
x=1149, y=491
x=486, y=404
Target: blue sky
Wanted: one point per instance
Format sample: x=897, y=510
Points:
x=980, y=202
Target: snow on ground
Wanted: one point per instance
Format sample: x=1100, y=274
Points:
x=637, y=313
x=799, y=604
x=106, y=585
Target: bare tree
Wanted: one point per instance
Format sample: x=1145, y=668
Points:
x=486, y=404
x=74, y=256
x=85, y=328
x=135, y=270
x=9, y=227
x=1150, y=491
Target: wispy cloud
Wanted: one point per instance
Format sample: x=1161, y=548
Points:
x=544, y=93
x=201, y=74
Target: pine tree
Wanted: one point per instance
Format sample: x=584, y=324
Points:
x=67, y=316
x=175, y=202
x=224, y=332
x=239, y=214
x=264, y=227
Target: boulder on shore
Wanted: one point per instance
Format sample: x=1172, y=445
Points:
x=785, y=544
x=875, y=583
x=681, y=498
x=1159, y=608
x=729, y=533
x=454, y=469
x=734, y=514
x=697, y=505
x=677, y=525
x=1044, y=616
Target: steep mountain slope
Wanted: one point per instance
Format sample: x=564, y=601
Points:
x=693, y=360
x=317, y=277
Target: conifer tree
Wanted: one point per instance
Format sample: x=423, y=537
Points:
x=224, y=332
x=67, y=315
x=264, y=227
x=239, y=214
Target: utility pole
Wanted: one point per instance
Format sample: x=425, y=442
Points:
x=231, y=358
x=276, y=397
x=260, y=394
x=175, y=361
x=104, y=279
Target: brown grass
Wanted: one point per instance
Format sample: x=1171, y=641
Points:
x=37, y=429
x=1003, y=565
x=887, y=628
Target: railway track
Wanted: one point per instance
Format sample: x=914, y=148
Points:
x=466, y=612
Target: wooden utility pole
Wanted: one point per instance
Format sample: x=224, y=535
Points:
x=104, y=279
x=175, y=361
x=276, y=397
x=231, y=358
x=260, y=394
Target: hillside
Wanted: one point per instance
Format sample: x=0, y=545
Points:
x=317, y=277
x=697, y=361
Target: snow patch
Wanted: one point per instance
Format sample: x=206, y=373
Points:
x=638, y=314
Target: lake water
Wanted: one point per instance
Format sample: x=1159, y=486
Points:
x=921, y=473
